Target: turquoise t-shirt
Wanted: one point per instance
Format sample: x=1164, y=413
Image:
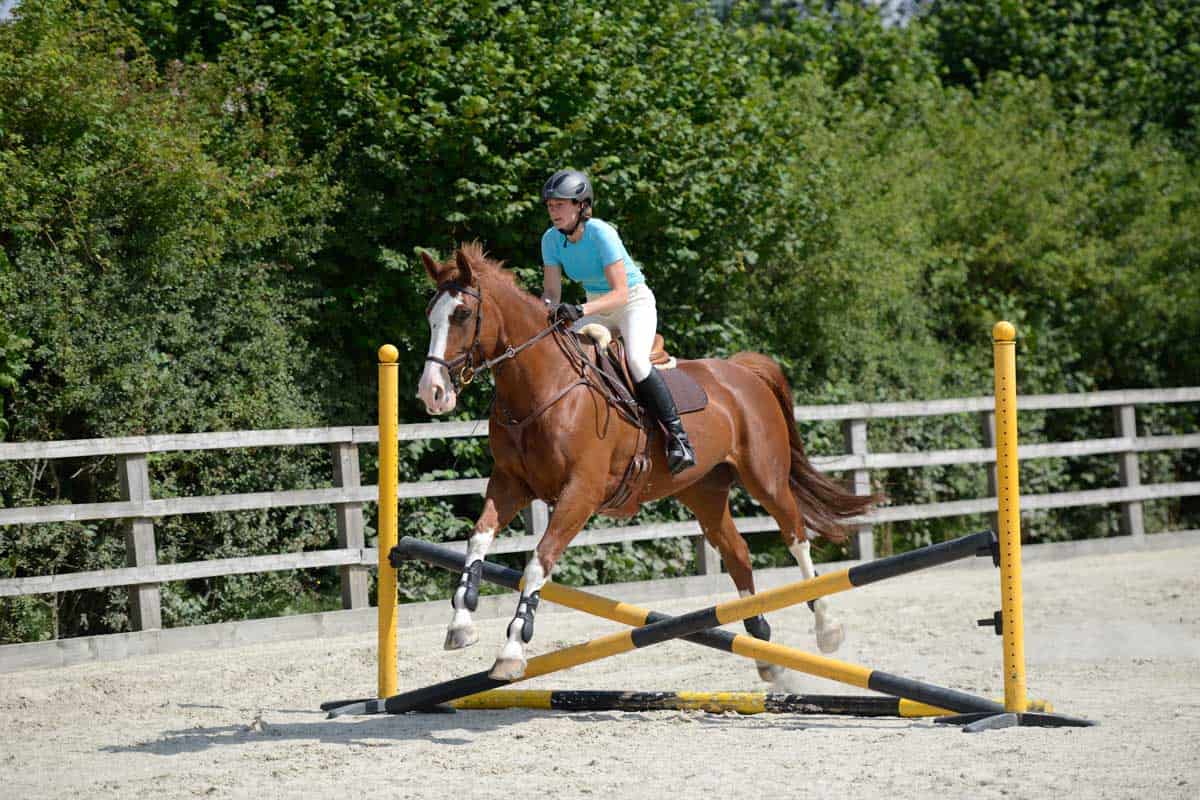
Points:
x=585, y=260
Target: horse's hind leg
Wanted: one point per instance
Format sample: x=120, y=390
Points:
x=708, y=499
x=776, y=497
x=505, y=497
x=830, y=632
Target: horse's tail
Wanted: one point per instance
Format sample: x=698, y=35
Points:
x=825, y=503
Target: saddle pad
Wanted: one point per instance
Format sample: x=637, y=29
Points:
x=689, y=395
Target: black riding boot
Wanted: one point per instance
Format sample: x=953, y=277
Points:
x=653, y=393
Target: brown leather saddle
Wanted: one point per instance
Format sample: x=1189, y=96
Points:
x=689, y=397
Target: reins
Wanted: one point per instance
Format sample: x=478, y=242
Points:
x=470, y=365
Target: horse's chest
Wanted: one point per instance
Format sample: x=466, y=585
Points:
x=532, y=456
x=546, y=462
x=545, y=472
x=547, y=483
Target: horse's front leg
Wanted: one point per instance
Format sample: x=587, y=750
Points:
x=570, y=514
x=830, y=632
x=506, y=495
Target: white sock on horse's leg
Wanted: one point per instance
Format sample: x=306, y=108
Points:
x=510, y=664
x=461, y=632
x=830, y=632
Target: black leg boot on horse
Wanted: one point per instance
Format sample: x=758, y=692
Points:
x=653, y=393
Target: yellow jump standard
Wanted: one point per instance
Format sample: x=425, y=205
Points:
x=389, y=460
x=1009, y=622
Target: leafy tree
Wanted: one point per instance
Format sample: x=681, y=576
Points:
x=153, y=224
x=1133, y=61
x=448, y=117
x=983, y=206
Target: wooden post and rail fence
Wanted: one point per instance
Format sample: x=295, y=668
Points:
x=353, y=558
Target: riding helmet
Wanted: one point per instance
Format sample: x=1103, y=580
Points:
x=568, y=184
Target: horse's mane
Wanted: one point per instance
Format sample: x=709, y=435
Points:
x=486, y=268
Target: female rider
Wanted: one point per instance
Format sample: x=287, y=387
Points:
x=591, y=251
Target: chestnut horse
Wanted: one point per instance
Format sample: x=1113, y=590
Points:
x=553, y=438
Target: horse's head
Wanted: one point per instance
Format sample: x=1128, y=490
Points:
x=457, y=331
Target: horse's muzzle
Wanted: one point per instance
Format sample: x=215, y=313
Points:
x=435, y=391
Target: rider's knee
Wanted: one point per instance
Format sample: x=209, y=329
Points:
x=639, y=366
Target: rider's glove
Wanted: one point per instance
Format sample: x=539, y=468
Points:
x=565, y=312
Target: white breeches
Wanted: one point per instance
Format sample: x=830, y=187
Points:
x=637, y=321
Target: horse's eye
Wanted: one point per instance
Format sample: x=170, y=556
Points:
x=461, y=314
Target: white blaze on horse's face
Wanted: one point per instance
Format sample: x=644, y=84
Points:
x=435, y=388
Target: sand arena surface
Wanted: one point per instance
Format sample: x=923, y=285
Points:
x=1114, y=638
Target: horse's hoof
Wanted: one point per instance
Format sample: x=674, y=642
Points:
x=770, y=673
x=458, y=638
x=831, y=638
x=507, y=669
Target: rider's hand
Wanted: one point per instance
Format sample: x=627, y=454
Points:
x=565, y=312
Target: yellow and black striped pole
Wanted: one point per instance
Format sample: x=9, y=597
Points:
x=389, y=476
x=860, y=705
x=660, y=628
x=726, y=641
x=712, y=702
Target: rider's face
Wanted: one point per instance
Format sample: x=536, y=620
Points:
x=562, y=212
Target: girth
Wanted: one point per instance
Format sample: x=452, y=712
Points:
x=604, y=371
x=689, y=396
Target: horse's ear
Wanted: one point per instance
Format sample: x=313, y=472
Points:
x=464, y=268
x=431, y=266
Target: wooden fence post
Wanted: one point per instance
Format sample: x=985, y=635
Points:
x=536, y=516
x=862, y=546
x=1132, y=523
x=354, y=577
x=708, y=560
x=145, y=600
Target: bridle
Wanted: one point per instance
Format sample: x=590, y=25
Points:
x=465, y=362
x=472, y=361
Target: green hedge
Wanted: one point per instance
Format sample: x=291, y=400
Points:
x=209, y=214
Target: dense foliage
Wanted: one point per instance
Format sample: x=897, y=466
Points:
x=156, y=234
x=209, y=213
x=1136, y=62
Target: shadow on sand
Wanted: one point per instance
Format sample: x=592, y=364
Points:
x=460, y=728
